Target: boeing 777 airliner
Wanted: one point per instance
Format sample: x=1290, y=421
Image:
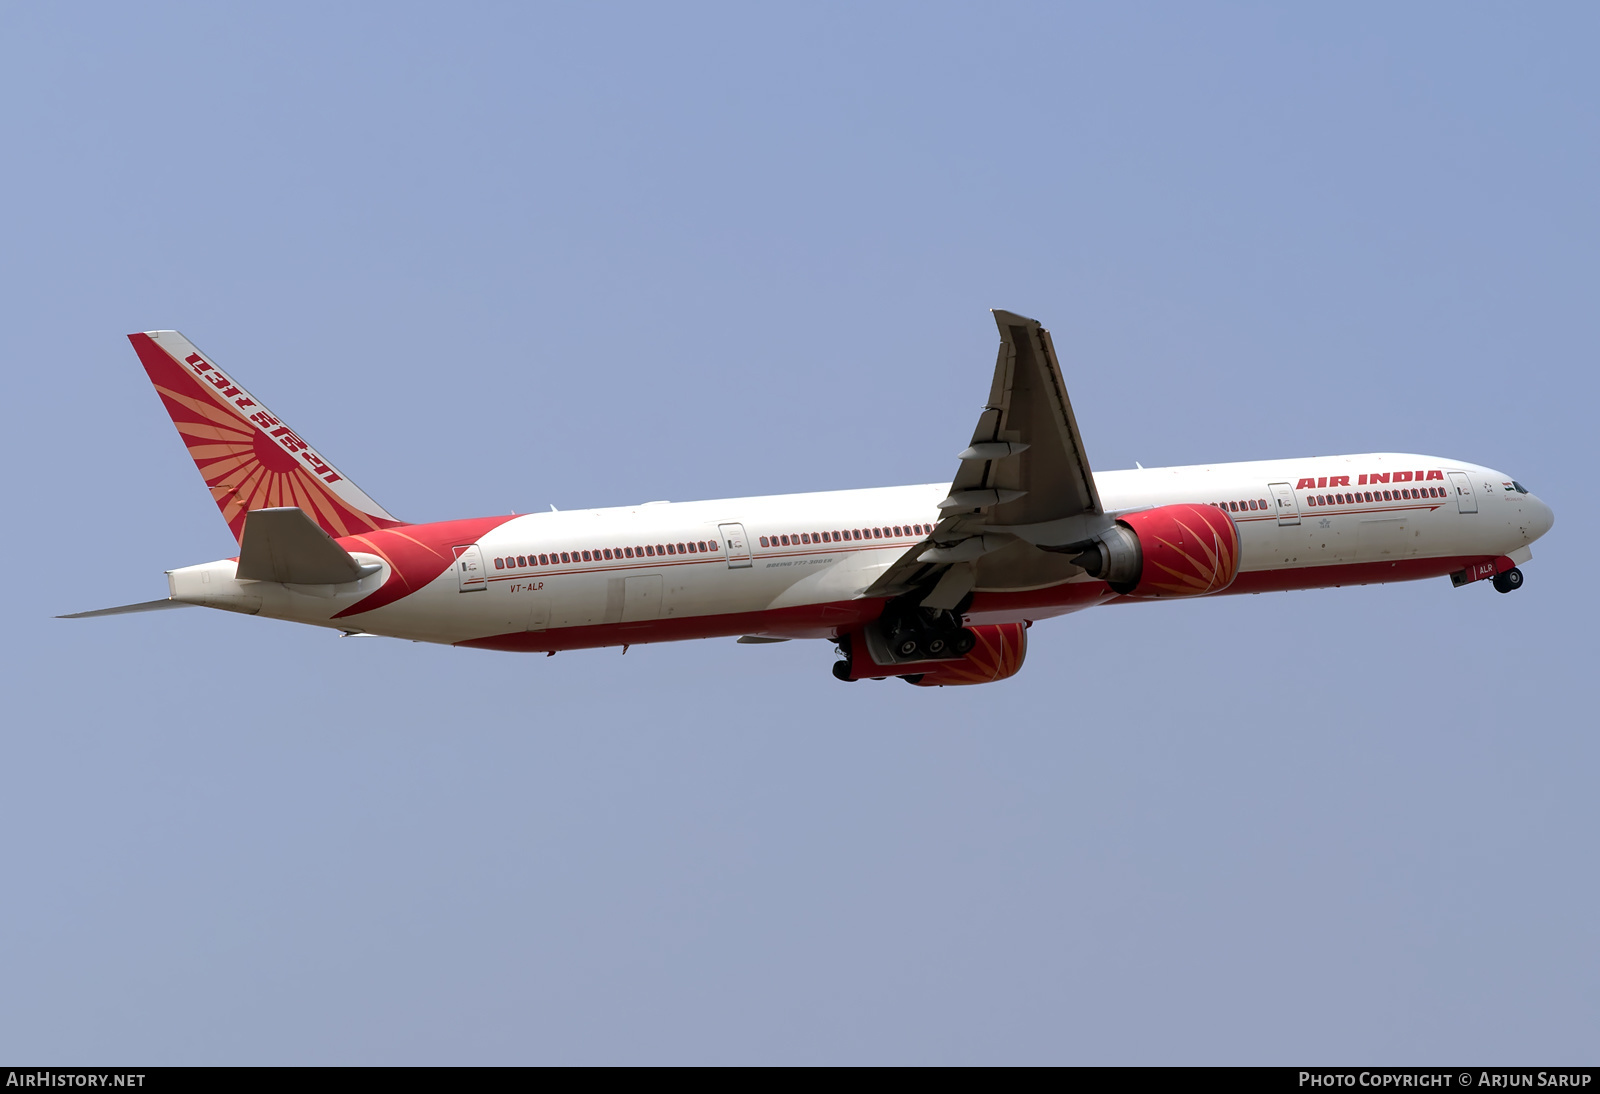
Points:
x=935, y=584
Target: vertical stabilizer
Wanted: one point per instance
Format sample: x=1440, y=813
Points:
x=248, y=456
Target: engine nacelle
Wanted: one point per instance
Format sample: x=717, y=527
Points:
x=1176, y=550
x=997, y=652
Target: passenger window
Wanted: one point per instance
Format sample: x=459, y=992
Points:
x=499, y=564
x=586, y=557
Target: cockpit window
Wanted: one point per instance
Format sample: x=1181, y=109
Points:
x=1519, y=487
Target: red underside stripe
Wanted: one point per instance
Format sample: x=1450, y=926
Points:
x=830, y=620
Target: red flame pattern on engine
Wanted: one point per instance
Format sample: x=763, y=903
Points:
x=1189, y=550
x=998, y=654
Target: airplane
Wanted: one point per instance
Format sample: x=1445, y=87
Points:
x=935, y=584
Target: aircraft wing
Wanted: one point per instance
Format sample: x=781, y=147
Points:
x=1024, y=483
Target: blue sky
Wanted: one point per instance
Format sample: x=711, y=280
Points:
x=497, y=257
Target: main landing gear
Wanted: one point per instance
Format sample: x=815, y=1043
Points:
x=906, y=633
x=926, y=635
x=1508, y=582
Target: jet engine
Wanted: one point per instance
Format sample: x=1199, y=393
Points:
x=994, y=651
x=1175, y=550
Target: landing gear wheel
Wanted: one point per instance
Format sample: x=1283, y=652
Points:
x=841, y=671
x=913, y=678
x=907, y=647
x=936, y=645
x=963, y=642
x=1509, y=581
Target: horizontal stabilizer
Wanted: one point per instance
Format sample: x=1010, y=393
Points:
x=286, y=545
x=129, y=609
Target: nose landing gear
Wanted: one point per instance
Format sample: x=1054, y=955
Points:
x=1510, y=581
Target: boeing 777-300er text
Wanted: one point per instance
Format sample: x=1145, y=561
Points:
x=935, y=584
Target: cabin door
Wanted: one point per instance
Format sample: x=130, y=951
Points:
x=1283, y=501
x=736, y=545
x=470, y=575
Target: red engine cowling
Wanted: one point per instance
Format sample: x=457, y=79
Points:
x=996, y=654
x=1176, y=550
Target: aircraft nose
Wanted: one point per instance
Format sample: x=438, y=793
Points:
x=1540, y=518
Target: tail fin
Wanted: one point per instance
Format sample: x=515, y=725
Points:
x=249, y=458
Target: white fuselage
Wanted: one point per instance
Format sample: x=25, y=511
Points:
x=796, y=565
